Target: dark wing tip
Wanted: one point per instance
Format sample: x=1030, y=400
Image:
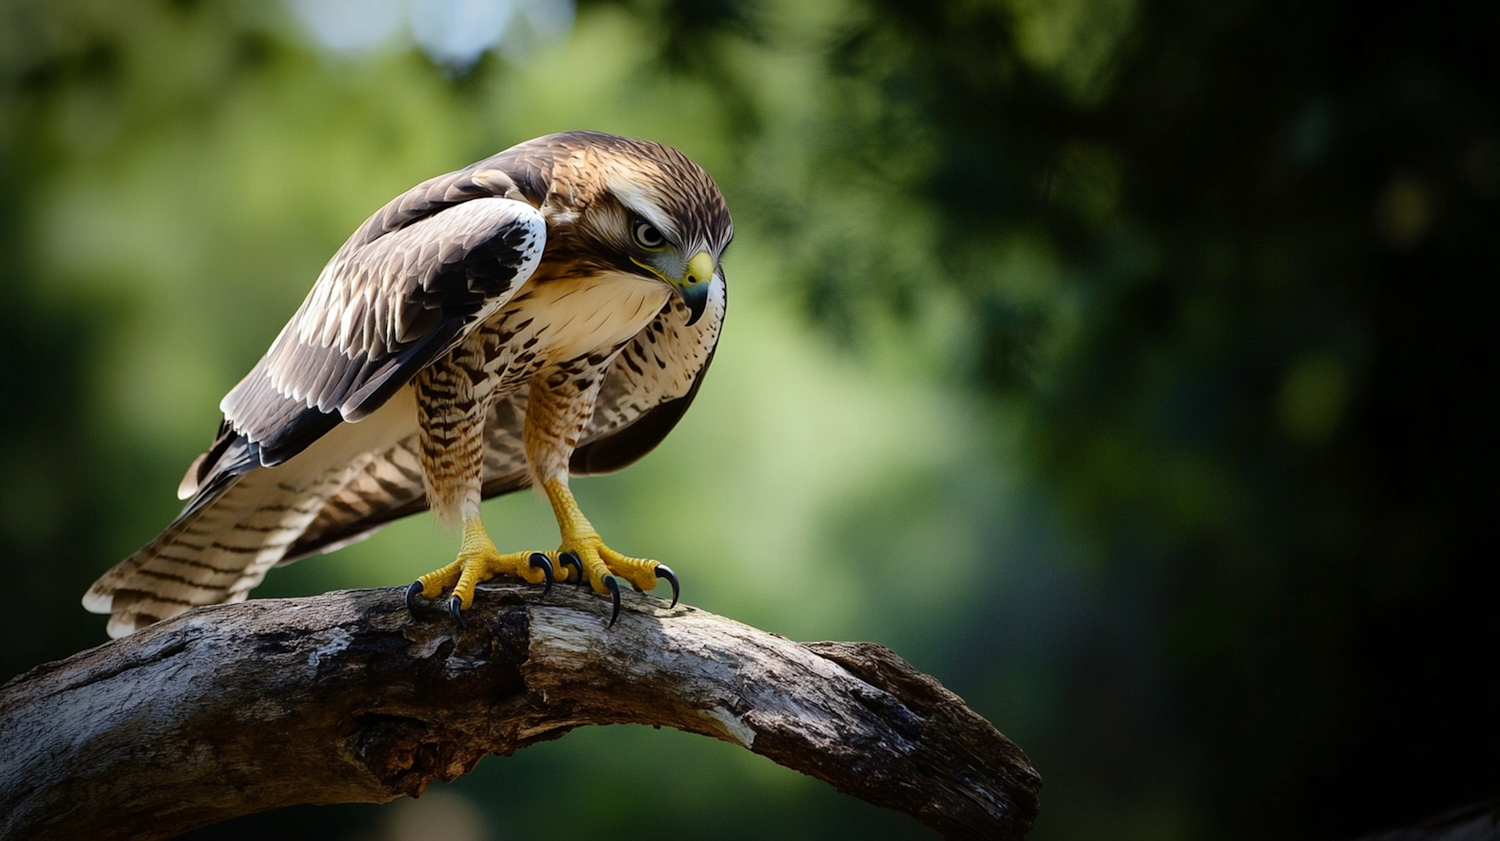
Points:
x=628, y=445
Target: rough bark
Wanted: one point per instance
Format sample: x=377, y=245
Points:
x=346, y=697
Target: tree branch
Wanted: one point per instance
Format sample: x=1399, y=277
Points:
x=346, y=697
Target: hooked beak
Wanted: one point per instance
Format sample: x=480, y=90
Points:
x=692, y=287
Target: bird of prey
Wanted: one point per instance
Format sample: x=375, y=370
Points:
x=547, y=311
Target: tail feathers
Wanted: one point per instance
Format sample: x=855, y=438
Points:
x=216, y=551
x=244, y=518
x=390, y=487
x=384, y=488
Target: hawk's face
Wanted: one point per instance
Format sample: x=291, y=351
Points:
x=638, y=208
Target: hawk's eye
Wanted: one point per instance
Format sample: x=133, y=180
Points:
x=647, y=236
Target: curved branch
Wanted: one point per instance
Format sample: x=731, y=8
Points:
x=346, y=697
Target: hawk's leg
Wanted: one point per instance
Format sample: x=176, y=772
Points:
x=450, y=419
x=557, y=411
x=452, y=439
x=599, y=561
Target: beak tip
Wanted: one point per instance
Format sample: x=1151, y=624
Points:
x=695, y=298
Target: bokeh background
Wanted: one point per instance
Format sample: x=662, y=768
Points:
x=1125, y=364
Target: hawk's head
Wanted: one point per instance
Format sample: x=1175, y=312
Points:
x=631, y=206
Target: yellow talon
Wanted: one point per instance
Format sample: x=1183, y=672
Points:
x=579, y=537
x=478, y=560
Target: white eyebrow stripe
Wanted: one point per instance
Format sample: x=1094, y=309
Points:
x=638, y=201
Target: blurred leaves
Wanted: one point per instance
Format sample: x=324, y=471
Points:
x=1146, y=405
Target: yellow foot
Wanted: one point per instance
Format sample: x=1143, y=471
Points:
x=581, y=557
x=603, y=567
x=479, y=561
x=596, y=563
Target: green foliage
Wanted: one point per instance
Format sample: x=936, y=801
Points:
x=1121, y=363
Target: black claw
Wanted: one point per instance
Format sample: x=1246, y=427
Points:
x=456, y=609
x=411, y=596
x=614, y=591
x=568, y=559
x=664, y=571
x=541, y=562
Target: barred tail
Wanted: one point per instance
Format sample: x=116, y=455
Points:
x=217, y=551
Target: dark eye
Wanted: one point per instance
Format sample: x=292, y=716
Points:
x=647, y=236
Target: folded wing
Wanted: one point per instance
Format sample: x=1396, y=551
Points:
x=409, y=285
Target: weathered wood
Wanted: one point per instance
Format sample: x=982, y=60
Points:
x=346, y=697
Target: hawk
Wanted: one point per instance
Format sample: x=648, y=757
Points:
x=548, y=311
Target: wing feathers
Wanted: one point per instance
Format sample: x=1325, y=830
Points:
x=624, y=446
x=381, y=311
